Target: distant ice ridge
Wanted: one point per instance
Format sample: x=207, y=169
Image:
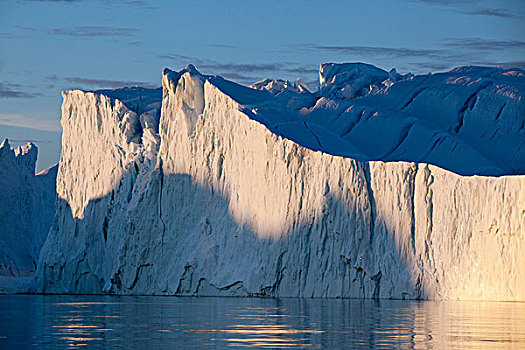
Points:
x=357, y=190
x=350, y=80
x=27, y=204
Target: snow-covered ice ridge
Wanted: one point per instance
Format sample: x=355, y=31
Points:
x=362, y=189
x=27, y=204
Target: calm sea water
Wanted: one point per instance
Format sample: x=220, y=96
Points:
x=109, y=322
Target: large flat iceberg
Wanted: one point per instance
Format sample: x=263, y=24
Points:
x=377, y=186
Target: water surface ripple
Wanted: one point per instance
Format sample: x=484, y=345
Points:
x=108, y=322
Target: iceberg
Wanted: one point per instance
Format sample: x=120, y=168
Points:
x=27, y=203
x=376, y=186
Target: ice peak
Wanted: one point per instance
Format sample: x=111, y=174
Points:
x=276, y=86
x=292, y=95
x=5, y=144
x=191, y=68
x=29, y=149
x=5, y=148
x=170, y=78
x=302, y=86
x=350, y=80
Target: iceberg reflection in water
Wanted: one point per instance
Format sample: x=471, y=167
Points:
x=177, y=323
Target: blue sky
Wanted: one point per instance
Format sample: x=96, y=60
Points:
x=47, y=46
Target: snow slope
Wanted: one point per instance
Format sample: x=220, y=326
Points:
x=357, y=191
x=26, y=211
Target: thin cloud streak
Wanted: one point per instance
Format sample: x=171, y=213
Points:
x=447, y=54
x=95, y=31
x=67, y=1
x=242, y=78
x=303, y=70
x=373, y=50
x=242, y=72
x=483, y=44
x=506, y=65
x=24, y=28
x=15, y=94
x=142, y=4
x=224, y=46
x=432, y=66
x=443, y=2
x=29, y=140
x=178, y=57
x=11, y=90
x=459, y=7
x=495, y=12
x=105, y=83
x=245, y=68
x=22, y=121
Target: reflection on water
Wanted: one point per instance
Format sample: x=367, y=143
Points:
x=180, y=323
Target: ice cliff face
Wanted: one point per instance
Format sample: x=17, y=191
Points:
x=229, y=190
x=27, y=203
